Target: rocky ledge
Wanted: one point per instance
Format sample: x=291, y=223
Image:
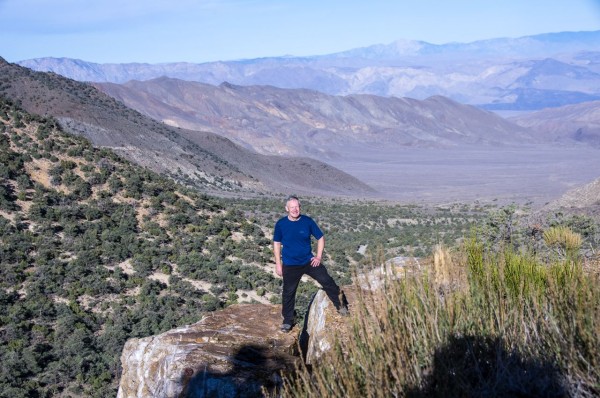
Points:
x=236, y=352
x=239, y=351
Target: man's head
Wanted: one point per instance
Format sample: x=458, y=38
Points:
x=292, y=206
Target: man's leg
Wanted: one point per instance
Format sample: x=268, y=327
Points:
x=321, y=275
x=291, y=279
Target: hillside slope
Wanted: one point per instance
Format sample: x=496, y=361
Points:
x=579, y=123
x=83, y=110
x=581, y=200
x=308, y=123
x=95, y=250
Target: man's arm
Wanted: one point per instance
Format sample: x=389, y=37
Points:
x=316, y=261
x=277, y=253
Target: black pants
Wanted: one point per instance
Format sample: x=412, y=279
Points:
x=291, y=279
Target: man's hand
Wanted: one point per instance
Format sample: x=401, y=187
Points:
x=277, y=254
x=316, y=260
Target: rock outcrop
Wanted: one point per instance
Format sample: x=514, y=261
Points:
x=322, y=320
x=239, y=351
x=236, y=352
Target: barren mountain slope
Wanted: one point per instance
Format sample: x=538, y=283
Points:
x=579, y=122
x=434, y=150
x=82, y=109
x=582, y=200
x=308, y=123
x=581, y=197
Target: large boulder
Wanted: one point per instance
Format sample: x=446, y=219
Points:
x=321, y=321
x=239, y=351
x=236, y=352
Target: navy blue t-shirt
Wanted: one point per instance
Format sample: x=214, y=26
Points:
x=294, y=236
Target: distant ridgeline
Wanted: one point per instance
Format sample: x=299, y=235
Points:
x=523, y=73
x=95, y=250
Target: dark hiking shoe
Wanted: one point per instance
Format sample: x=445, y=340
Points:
x=343, y=311
x=286, y=327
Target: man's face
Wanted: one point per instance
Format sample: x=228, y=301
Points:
x=293, y=208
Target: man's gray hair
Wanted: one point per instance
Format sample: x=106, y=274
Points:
x=292, y=197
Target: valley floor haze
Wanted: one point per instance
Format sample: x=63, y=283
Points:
x=520, y=175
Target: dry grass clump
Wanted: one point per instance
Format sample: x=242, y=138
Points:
x=442, y=263
x=563, y=240
x=448, y=272
x=511, y=327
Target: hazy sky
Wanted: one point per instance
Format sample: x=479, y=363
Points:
x=155, y=31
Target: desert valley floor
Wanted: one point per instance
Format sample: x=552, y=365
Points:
x=528, y=174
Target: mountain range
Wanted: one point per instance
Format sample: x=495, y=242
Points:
x=434, y=149
x=303, y=122
x=210, y=161
x=517, y=74
x=294, y=130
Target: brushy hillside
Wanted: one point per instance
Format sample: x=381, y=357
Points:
x=95, y=250
x=480, y=323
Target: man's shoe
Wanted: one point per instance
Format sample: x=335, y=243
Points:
x=286, y=327
x=343, y=311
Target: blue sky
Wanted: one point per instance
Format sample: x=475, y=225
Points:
x=155, y=31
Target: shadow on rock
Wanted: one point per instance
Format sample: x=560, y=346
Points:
x=256, y=372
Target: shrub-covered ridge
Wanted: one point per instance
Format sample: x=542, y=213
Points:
x=95, y=250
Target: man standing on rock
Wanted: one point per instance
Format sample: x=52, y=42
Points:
x=294, y=258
